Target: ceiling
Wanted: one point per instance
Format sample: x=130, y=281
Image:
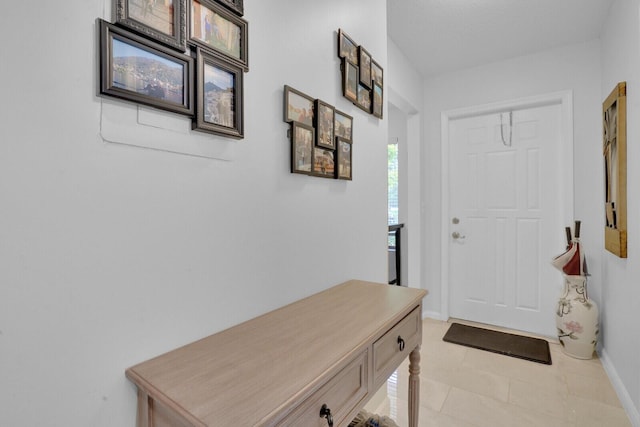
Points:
x=444, y=35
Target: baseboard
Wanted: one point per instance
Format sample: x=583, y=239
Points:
x=432, y=315
x=621, y=390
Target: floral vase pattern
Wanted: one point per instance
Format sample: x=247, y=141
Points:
x=577, y=319
x=577, y=314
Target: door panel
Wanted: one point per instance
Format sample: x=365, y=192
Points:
x=506, y=194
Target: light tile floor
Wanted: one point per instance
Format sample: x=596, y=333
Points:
x=465, y=387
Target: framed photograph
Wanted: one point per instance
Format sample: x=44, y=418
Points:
x=325, y=122
x=344, y=126
x=214, y=27
x=364, y=98
x=614, y=149
x=376, y=108
x=162, y=20
x=298, y=107
x=219, y=92
x=377, y=73
x=343, y=159
x=323, y=163
x=236, y=6
x=350, y=80
x=364, y=61
x=302, y=142
x=347, y=48
x=138, y=70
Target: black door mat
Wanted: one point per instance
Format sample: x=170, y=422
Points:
x=533, y=349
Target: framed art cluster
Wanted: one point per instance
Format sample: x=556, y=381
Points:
x=321, y=136
x=183, y=56
x=362, y=76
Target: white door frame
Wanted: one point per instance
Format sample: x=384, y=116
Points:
x=565, y=99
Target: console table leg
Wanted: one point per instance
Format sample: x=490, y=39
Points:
x=414, y=387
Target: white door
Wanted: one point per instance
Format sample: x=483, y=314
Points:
x=506, y=218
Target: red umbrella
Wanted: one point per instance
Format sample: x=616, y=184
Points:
x=572, y=262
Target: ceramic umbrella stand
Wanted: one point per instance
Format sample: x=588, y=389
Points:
x=577, y=314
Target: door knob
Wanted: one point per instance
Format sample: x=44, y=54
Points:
x=457, y=235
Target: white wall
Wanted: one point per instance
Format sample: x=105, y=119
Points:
x=112, y=254
x=574, y=68
x=621, y=290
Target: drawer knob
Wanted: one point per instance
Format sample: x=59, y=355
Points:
x=325, y=412
x=400, y=343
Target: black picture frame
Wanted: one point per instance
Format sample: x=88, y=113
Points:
x=350, y=80
x=219, y=96
x=377, y=101
x=135, y=80
x=214, y=27
x=364, y=98
x=166, y=24
x=347, y=48
x=302, y=144
x=237, y=6
x=298, y=106
x=364, y=62
x=377, y=72
x=324, y=115
x=323, y=163
x=343, y=125
x=344, y=159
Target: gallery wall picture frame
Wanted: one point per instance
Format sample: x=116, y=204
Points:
x=377, y=103
x=377, y=72
x=219, y=96
x=347, y=48
x=136, y=69
x=216, y=28
x=298, y=106
x=302, y=144
x=324, y=115
x=364, y=98
x=161, y=21
x=343, y=125
x=350, y=80
x=614, y=144
x=344, y=162
x=237, y=6
x=364, y=62
x=323, y=163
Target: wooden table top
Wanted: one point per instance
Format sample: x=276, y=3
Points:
x=260, y=369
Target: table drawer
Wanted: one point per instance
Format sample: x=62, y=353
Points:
x=395, y=345
x=341, y=394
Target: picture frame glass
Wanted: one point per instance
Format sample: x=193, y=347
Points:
x=142, y=71
x=343, y=126
x=157, y=14
x=299, y=108
x=377, y=100
x=348, y=49
x=364, y=97
x=216, y=31
x=219, y=96
x=325, y=125
x=302, y=147
x=344, y=159
x=377, y=74
x=351, y=81
x=323, y=162
x=365, y=68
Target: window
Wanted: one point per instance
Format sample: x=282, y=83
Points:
x=392, y=207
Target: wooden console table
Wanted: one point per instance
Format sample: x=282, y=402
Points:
x=313, y=363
